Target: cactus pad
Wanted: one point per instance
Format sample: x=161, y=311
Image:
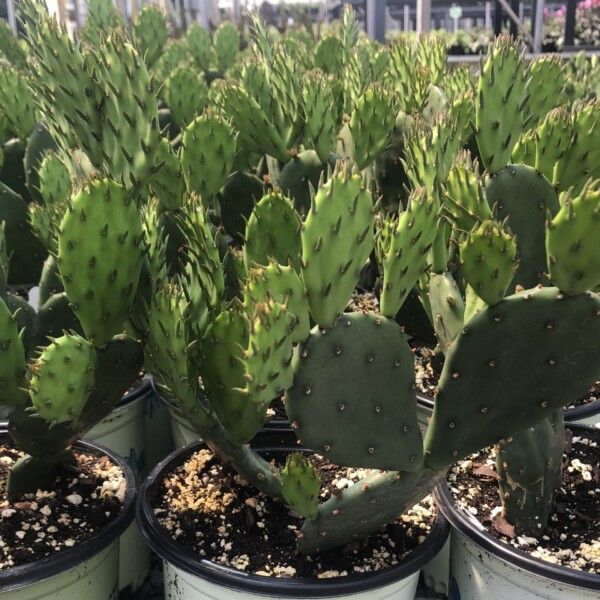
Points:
x=207, y=155
x=360, y=410
x=100, y=255
x=524, y=196
x=406, y=259
x=489, y=260
x=12, y=360
x=63, y=378
x=300, y=485
x=572, y=242
x=273, y=232
x=337, y=239
x=513, y=365
x=500, y=106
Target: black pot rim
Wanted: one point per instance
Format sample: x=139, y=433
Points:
x=44, y=568
x=508, y=553
x=143, y=389
x=168, y=550
x=585, y=411
x=573, y=414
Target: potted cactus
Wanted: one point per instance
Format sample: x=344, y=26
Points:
x=89, y=353
x=349, y=381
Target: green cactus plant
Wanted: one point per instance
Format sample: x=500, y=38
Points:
x=224, y=344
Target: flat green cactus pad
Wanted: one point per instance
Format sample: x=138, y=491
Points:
x=353, y=398
x=512, y=365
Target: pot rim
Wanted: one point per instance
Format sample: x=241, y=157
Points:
x=142, y=389
x=175, y=554
x=536, y=566
x=575, y=413
x=31, y=573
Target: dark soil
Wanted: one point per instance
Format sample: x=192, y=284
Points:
x=572, y=538
x=208, y=509
x=81, y=504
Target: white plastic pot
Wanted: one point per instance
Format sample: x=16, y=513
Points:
x=188, y=577
x=485, y=568
x=123, y=432
x=157, y=428
x=88, y=570
x=182, y=432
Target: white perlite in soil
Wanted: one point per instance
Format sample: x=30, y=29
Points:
x=217, y=516
x=581, y=479
x=46, y=522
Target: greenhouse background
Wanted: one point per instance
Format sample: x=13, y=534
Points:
x=544, y=26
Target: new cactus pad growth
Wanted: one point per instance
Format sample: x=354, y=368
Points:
x=62, y=379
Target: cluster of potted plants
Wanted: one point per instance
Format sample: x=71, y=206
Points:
x=280, y=228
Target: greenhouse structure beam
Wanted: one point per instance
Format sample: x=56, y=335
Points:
x=423, y=16
x=538, y=25
x=375, y=20
x=10, y=11
x=511, y=13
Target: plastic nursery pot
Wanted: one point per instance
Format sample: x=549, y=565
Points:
x=123, y=432
x=485, y=568
x=188, y=577
x=587, y=414
x=157, y=428
x=424, y=410
x=88, y=570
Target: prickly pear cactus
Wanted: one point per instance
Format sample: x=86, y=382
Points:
x=489, y=261
x=227, y=45
x=267, y=358
x=200, y=46
x=186, y=94
x=525, y=197
x=547, y=80
x=150, y=33
x=12, y=363
x=130, y=138
x=208, y=150
x=582, y=159
x=273, y=232
x=16, y=101
x=371, y=124
x=322, y=124
x=337, y=239
x=300, y=485
x=223, y=372
x=62, y=379
x=361, y=411
x=552, y=139
x=406, y=258
x=552, y=364
x=572, y=241
x=501, y=103
x=284, y=286
x=168, y=184
x=465, y=199
x=100, y=256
